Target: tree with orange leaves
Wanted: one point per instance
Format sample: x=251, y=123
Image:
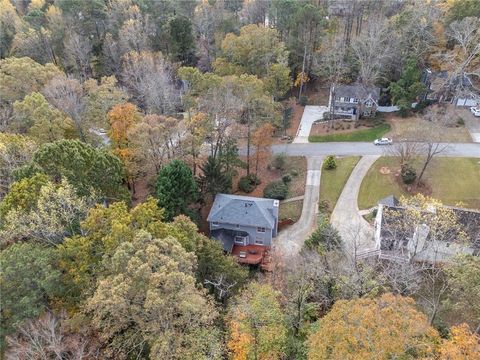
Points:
x=256, y=325
x=262, y=139
x=387, y=327
x=462, y=345
x=122, y=118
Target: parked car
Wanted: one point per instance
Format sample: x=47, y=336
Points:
x=475, y=111
x=383, y=141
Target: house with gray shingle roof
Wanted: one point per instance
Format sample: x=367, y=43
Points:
x=243, y=220
x=353, y=101
x=395, y=241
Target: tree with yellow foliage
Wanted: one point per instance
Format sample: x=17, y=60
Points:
x=383, y=328
x=256, y=325
x=122, y=118
x=462, y=345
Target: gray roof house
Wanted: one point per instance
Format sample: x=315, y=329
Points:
x=242, y=221
x=445, y=87
x=399, y=243
x=353, y=101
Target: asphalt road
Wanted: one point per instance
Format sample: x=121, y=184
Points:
x=363, y=148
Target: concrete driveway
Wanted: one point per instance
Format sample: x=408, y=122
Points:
x=356, y=232
x=472, y=123
x=290, y=240
x=310, y=115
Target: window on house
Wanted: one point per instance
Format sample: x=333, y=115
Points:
x=355, y=101
x=258, y=241
x=369, y=103
x=240, y=240
x=215, y=223
x=261, y=229
x=238, y=225
x=347, y=99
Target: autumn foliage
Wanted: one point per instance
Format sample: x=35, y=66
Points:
x=365, y=329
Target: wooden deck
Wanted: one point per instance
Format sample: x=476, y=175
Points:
x=251, y=254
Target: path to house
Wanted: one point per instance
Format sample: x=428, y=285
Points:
x=310, y=115
x=355, y=231
x=290, y=240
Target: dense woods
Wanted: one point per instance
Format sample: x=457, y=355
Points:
x=121, y=119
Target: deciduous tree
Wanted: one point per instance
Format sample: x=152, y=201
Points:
x=52, y=337
x=44, y=123
x=372, y=51
x=463, y=276
x=460, y=345
x=253, y=51
x=56, y=214
x=148, y=303
x=278, y=80
x=154, y=140
x=67, y=94
x=23, y=195
x=372, y=328
x=9, y=23
x=148, y=77
x=262, y=139
x=15, y=151
x=101, y=97
x=21, y=76
x=256, y=324
x=122, y=118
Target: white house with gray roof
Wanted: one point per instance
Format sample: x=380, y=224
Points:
x=243, y=220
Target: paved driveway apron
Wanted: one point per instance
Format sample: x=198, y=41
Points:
x=310, y=115
x=356, y=232
x=290, y=240
x=472, y=123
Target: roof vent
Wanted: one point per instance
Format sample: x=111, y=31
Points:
x=275, y=203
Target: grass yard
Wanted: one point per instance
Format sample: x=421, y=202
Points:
x=297, y=165
x=407, y=128
x=291, y=210
x=333, y=181
x=451, y=180
x=293, y=164
x=357, y=135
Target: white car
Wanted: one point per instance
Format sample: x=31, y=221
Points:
x=383, y=141
x=475, y=111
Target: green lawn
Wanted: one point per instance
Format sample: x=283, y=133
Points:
x=452, y=180
x=359, y=135
x=291, y=210
x=333, y=181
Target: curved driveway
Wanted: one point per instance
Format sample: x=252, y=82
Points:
x=290, y=240
x=356, y=232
